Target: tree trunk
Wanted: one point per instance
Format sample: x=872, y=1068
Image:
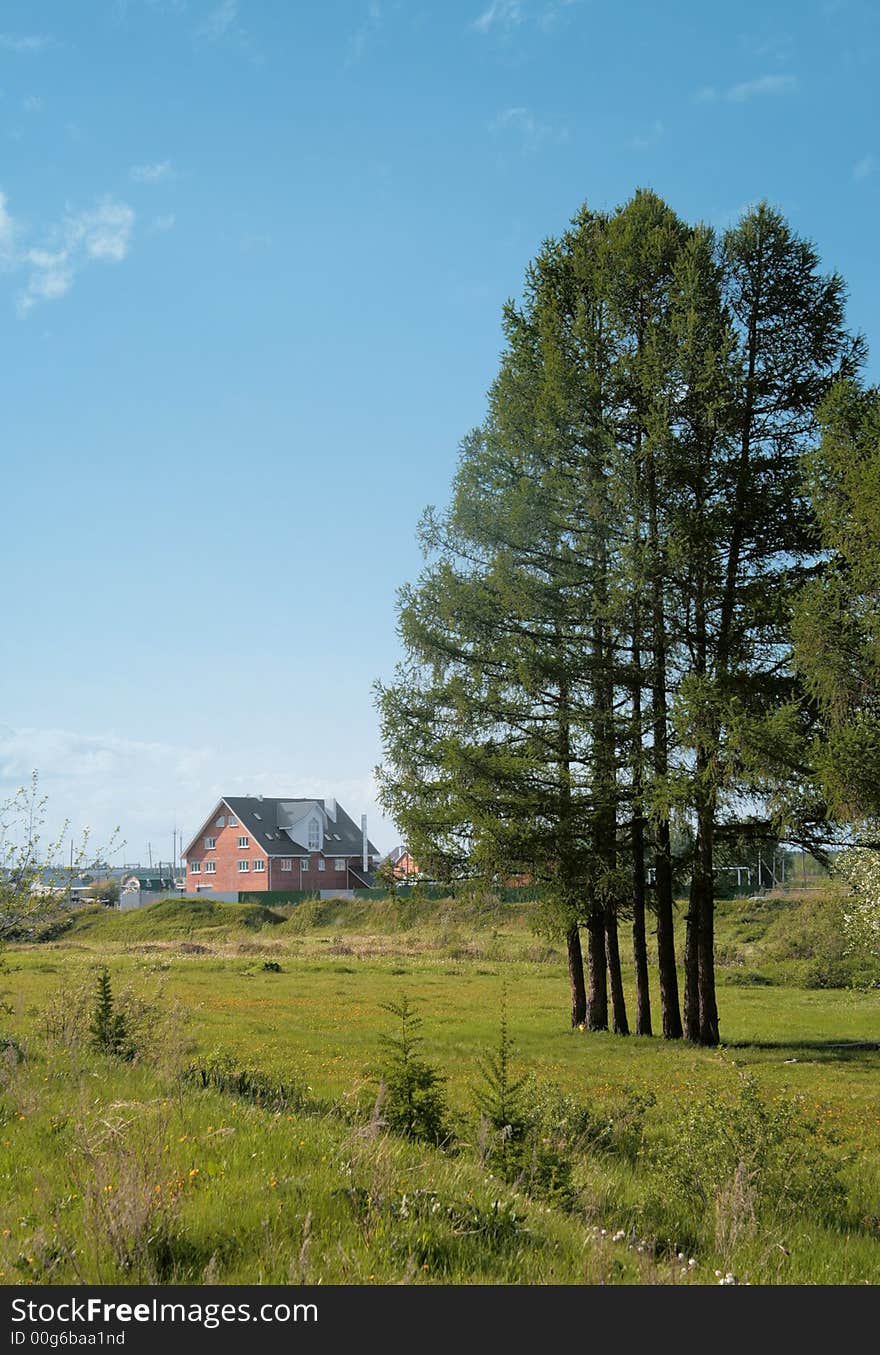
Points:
x=640, y=948
x=576, y=978
x=597, y=991
x=692, y=957
x=669, y=1002
x=666, y=963
x=618, y=1001
x=708, y=1010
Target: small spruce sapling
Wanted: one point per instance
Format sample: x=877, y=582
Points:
x=414, y=1103
x=499, y=1099
x=109, y=1028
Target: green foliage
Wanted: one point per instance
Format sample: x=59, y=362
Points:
x=413, y=1102
x=223, y=1073
x=109, y=1027
x=500, y=1101
x=810, y=939
x=731, y=1159
x=105, y=892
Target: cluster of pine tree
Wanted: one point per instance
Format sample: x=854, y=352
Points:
x=598, y=652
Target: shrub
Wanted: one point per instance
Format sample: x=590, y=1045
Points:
x=414, y=1104
x=221, y=1072
x=109, y=1028
x=726, y=1160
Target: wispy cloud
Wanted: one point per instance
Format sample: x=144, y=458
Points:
x=501, y=14
x=360, y=38
x=221, y=20
x=150, y=173
x=748, y=89
x=103, y=781
x=164, y=222
x=864, y=168
x=100, y=235
x=34, y=42
x=8, y=231
x=32, y=104
x=646, y=141
x=523, y=124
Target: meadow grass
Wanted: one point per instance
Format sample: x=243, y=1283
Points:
x=136, y=1171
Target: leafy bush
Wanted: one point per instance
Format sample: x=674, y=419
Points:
x=726, y=1160
x=811, y=941
x=221, y=1072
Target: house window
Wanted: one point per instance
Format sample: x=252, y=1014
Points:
x=314, y=835
x=232, y=821
x=322, y=864
x=195, y=867
x=210, y=844
x=287, y=864
x=304, y=864
x=244, y=865
x=339, y=863
x=259, y=864
x=210, y=867
x=243, y=843
x=221, y=822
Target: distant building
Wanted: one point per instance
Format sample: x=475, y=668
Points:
x=402, y=863
x=255, y=844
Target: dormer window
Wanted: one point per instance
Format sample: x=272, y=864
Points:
x=314, y=835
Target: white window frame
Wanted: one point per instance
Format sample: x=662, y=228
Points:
x=322, y=864
x=314, y=835
x=339, y=863
x=210, y=844
x=243, y=867
x=232, y=821
x=195, y=867
x=210, y=867
x=221, y=822
x=259, y=864
x=287, y=863
x=304, y=863
x=243, y=844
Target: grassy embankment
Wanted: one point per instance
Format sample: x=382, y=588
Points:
x=761, y=1160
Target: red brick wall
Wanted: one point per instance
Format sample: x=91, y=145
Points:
x=296, y=878
x=227, y=855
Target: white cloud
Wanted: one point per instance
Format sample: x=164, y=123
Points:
x=500, y=14
x=102, y=234
x=7, y=233
x=150, y=173
x=221, y=20
x=865, y=167
x=766, y=84
x=748, y=89
x=648, y=140
x=33, y=43
x=523, y=123
x=102, y=782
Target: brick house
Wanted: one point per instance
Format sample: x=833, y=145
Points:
x=253, y=843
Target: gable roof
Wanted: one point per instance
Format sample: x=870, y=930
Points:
x=264, y=818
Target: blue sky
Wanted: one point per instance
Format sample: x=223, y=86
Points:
x=253, y=256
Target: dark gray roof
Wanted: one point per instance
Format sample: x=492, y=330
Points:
x=260, y=818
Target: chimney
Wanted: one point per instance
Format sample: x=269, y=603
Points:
x=330, y=807
x=366, y=861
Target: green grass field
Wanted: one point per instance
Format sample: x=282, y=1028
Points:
x=643, y=1161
